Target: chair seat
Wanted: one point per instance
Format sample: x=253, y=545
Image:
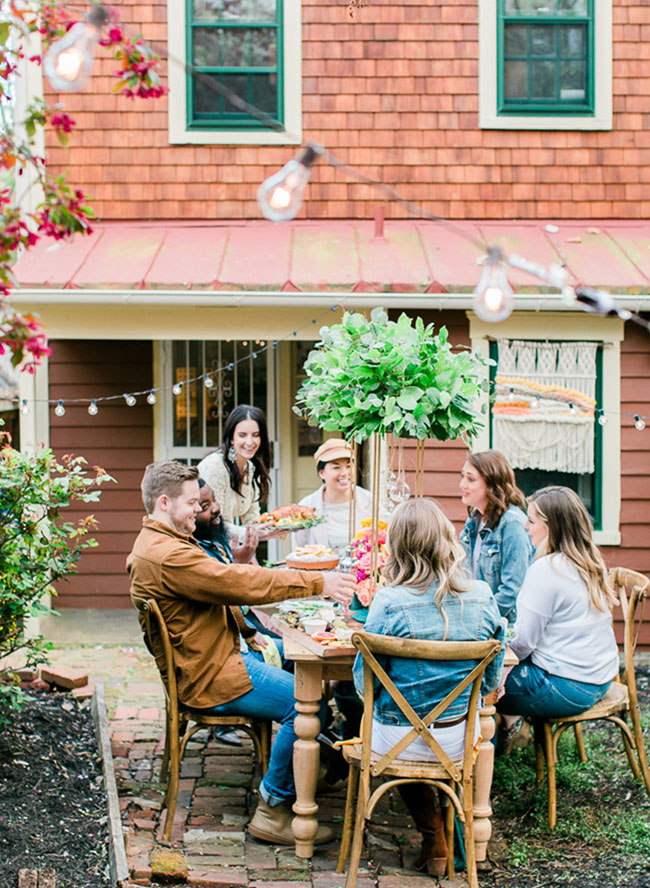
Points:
x=401, y=767
x=203, y=718
x=615, y=700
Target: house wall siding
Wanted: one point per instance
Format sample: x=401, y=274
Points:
x=394, y=93
x=120, y=440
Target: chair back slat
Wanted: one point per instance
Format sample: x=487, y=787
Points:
x=633, y=589
x=368, y=644
x=150, y=611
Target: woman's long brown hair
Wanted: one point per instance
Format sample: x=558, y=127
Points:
x=423, y=547
x=570, y=532
x=502, y=490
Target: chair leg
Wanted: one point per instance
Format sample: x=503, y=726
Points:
x=628, y=746
x=348, y=819
x=468, y=832
x=580, y=743
x=171, y=796
x=357, y=840
x=164, y=768
x=265, y=742
x=449, y=830
x=550, y=771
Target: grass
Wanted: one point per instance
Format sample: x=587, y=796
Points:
x=602, y=837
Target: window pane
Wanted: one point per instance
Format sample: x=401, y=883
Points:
x=264, y=92
x=515, y=80
x=208, y=100
x=542, y=40
x=572, y=83
x=179, y=374
x=515, y=40
x=572, y=7
x=542, y=80
x=572, y=40
x=234, y=10
x=234, y=47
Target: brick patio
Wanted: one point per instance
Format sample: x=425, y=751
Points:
x=210, y=845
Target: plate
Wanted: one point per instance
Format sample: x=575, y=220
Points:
x=288, y=524
x=312, y=565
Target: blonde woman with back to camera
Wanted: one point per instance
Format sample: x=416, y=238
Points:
x=430, y=596
x=563, y=635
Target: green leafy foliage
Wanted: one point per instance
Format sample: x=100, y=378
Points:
x=369, y=376
x=38, y=547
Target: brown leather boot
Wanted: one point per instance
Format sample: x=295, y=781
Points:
x=273, y=824
x=424, y=807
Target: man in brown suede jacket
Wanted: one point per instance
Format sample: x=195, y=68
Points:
x=195, y=593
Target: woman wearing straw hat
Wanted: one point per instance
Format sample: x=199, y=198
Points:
x=333, y=499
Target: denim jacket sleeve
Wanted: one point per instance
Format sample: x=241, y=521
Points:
x=376, y=622
x=516, y=553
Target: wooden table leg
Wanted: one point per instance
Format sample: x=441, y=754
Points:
x=483, y=781
x=306, y=755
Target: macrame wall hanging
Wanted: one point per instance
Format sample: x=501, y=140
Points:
x=543, y=415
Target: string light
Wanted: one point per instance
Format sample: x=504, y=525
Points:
x=493, y=298
x=24, y=407
x=602, y=419
x=639, y=423
x=151, y=398
x=208, y=382
x=511, y=395
x=93, y=409
x=280, y=196
x=177, y=388
x=69, y=61
x=60, y=409
x=131, y=401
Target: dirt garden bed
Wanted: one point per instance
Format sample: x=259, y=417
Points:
x=53, y=808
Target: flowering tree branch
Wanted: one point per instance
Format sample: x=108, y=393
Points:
x=63, y=210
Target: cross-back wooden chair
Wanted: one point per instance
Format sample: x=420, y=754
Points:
x=455, y=779
x=619, y=703
x=182, y=722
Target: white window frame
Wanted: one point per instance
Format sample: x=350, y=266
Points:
x=179, y=134
x=489, y=118
x=569, y=326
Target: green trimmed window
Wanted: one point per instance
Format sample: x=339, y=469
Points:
x=545, y=57
x=236, y=44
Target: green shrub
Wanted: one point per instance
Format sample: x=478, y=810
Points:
x=37, y=546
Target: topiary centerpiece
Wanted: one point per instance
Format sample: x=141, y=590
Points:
x=377, y=377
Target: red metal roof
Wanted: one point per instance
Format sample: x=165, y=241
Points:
x=342, y=256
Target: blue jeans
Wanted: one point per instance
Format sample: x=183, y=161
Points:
x=271, y=699
x=534, y=692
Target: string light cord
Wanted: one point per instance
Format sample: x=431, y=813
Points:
x=596, y=301
x=255, y=353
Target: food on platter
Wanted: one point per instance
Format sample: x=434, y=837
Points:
x=293, y=517
x=312, y=557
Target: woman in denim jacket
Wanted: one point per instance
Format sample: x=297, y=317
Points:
x=497, y=545
x=429, y=596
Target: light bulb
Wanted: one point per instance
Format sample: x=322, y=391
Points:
x=151, y=398
x=130, y=400
x=177, y=388
x=69, y=61
x=511, y=396
x=93, y=409
x=535, y=403
x=279, y=197
x=60, y=409
x=639, y=423
x=24, y=407
x=602, y=419
x=208, y=382
x=493, y=299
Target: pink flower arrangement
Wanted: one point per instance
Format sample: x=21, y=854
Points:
x=361, y=547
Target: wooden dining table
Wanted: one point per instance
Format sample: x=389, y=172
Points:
x=315, y=663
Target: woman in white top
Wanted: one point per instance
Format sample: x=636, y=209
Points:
x=239, y=471
x=563, y=635
x=333, y=498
